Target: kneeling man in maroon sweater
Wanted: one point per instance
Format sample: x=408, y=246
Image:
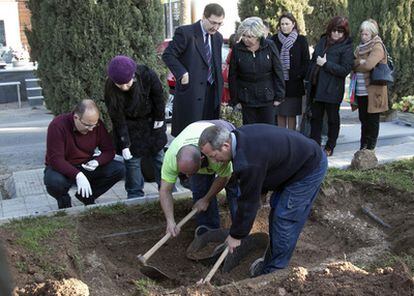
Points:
x=72, y=142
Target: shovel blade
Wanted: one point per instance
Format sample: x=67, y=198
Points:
x=154, y=273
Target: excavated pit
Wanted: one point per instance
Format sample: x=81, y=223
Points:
x=337, y=231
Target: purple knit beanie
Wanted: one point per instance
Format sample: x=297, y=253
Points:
x=121, y=69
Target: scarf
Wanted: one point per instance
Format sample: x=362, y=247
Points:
x=287, y=44
x=364, y=48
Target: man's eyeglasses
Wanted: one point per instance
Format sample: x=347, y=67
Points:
x=338, y=30
x=90, y=126
x=214, y=24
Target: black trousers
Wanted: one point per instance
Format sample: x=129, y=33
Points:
x=101, y=180
x=332, y=111
x=211, y=109
x=369, y=124
x=258, y=114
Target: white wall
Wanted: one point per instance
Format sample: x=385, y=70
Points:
x=10, y=15
x=230, y=9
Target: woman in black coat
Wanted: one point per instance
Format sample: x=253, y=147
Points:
x=135, y=102
x=255, y=75
x=331, y=62
x=294, y=56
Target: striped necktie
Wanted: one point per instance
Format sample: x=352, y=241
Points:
x=207, y=49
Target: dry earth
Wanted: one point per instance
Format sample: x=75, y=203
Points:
x=337, y=238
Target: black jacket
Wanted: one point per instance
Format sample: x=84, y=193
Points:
x=186, y=53
x=286, y=156
x=299, y=62
x=330, y=85
x=256, y=79
x=133, y=113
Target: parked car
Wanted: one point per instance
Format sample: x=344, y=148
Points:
x=171, y=79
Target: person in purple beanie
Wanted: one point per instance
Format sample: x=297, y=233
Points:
x=136, y=105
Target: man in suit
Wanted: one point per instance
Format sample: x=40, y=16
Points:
x=194, y=58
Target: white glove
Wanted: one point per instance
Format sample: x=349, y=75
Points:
x=158, y=124
x=84, y=188
x=90, y=165
x=126, y=154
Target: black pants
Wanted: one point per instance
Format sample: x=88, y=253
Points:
x=369, y=124
x=101, y=180
x=258, y=114
x=332, y=111
x=211, y=109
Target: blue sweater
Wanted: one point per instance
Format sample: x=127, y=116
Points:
x=268, y=158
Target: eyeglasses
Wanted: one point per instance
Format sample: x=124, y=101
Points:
x=214, y=24
x=89, y=126
x=338, y=30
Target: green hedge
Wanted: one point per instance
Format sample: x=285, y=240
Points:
x=73, y=40
x=322, y=12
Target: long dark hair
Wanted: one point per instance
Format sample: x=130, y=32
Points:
x=336, y=22
x=289, y=16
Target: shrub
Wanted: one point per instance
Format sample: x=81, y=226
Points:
x=73, y=40
x=406, y=104
x=231, y=114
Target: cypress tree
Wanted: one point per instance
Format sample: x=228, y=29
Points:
x=73, y=40
x=396, y=22
x=323, y=11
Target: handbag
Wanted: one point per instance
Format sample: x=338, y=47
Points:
x=350, y=95
x=382, y=74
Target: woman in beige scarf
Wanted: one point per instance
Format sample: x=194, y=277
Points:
x=371, y=99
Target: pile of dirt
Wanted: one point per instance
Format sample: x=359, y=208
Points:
x=69, y=287
x=343, y=278
x=104, y=255
x=340, y=278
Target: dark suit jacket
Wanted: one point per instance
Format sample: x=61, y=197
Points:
x=185, y=53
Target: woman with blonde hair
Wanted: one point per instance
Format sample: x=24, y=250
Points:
x=371, y=99
x=255, y=76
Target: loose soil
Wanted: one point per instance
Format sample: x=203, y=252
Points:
x=337, y=238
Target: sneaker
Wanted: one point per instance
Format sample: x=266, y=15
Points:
x=256, y=268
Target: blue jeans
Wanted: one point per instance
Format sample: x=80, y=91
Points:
x=290, y=209
x=101, y=180
x=134, y=181
x=200, y=184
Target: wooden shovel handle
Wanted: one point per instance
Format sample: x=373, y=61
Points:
x=166, y=237
x=216, y=265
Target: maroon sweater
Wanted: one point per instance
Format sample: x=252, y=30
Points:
x=66, y=147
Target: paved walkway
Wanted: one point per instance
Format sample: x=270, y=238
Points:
x=31, y=198
x=396, y=141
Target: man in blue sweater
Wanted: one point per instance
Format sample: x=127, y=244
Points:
x=268, y=158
